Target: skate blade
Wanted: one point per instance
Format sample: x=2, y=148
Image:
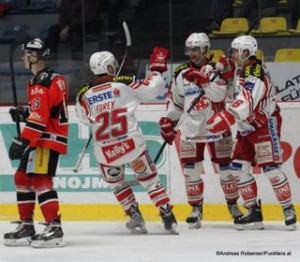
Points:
x=291, y=227
x=250, y=226
x=21, y=242
x=173, y=230
x=195, y=225
x=138, y=230
x=57, y=242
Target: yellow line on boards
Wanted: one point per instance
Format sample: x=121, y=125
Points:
x=113, y=212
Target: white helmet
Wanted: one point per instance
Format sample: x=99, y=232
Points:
x=198, y=40
x=103, y=63
x=245, y=42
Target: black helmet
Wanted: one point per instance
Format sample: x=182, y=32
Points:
x=39, y=46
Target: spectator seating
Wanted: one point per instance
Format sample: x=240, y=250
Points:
x=37, y=6
x=275, y=26
x=297, y=30
x=13, y=3
x=231, y=27
x=260, y=54
x=9, y=34
x=237, y=3
x=282, y=2
x=287, y=55
x=217, y=53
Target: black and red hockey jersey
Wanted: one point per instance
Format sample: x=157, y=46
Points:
x=47, y=124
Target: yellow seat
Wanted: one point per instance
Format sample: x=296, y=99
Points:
x=237, y=3
x=260, y=54
x=282, y=2
x=231, y=27
x=287, y=55
x=297, y=30
x=272, y=26
x=217, y=53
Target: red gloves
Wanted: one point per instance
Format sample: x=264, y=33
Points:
x=260, y=120
x=167, y=129
x=226, y=67
x=220, y=122
x=158, y=59
x=195, y=76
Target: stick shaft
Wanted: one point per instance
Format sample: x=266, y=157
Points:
x=179, y=123
x=20, y=37
x=82, y=153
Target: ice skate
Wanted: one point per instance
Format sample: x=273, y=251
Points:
x=235, y=212
x=194, y=219
x=22, y=234
x=51, y=237
x=169, y=220
x=290, y=218
x=252, y=220
x=136, y=224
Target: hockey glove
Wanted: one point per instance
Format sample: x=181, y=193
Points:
x=18, y=148
x=195, y=76
x=19, y=114
x=159, y=59
x=260, y=120
x=226, y=67
x=220, y=123
x=167, y=129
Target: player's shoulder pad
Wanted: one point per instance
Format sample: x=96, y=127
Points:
x=255, y=69
x=123, y=79
x=44, y=78
x=82, y=90
x=179, y=68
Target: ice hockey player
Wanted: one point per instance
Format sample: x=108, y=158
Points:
x=258, y=120
x=38, y=148
x=193, y=80
x=108, y=105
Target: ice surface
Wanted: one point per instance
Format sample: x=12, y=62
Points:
x=110, y=241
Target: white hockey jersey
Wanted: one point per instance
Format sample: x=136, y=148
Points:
x=181, y=97
x=254, y=92
x=109, y=108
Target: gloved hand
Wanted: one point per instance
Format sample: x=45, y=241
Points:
x=195, y=76
x=259, y=120
x=226, y=67
x=222, y=63
x=19, y=114
x=159, y=59
x=220, y=123
x=167, y=129
x=18, y=148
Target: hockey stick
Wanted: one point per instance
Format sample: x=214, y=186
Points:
x=179, y=123
x=128, y=44
x=20, y=37
x=272, y=11
x=182, y=118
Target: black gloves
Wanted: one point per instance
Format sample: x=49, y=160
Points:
x=19, y=114
x=18, y=147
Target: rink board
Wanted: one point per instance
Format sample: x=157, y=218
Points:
x=85, y=196
x=113, y=212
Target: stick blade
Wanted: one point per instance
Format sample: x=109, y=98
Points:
x=127, y=34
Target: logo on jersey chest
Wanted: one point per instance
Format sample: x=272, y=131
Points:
x=202, y=104
x=115, y=151
x=100, y=97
